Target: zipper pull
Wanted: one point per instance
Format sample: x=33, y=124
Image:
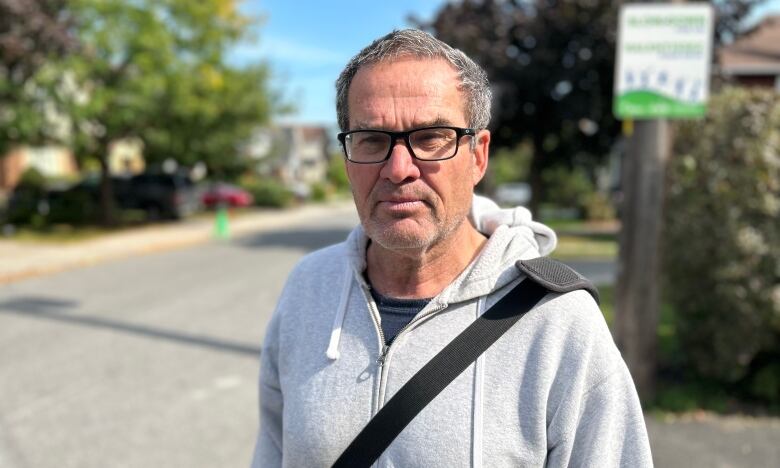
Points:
x=381, y=359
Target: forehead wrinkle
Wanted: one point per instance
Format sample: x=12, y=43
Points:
x=406, y=102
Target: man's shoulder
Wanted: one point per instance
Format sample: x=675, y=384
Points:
x=326, y=254
x=569, y=313
x=324, y=261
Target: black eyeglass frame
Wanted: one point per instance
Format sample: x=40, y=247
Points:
x=460, y=132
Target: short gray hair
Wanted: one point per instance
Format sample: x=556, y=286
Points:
x=412, y=42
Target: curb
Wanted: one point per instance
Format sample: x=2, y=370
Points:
x=29, y=260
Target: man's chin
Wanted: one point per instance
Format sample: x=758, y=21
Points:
x=401, y=235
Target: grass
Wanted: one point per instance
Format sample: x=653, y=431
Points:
x=60, y=233
x=584, y=240
x=70, y=233
x=573, y=247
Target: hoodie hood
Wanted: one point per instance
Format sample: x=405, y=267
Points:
x=487, y=217
x=512, y=236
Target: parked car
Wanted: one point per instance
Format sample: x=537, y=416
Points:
x=226, y=195
x=161, y=195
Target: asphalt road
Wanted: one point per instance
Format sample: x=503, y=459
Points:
x=144, y=362
x=152, y=362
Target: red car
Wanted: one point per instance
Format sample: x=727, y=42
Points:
x=226, y=195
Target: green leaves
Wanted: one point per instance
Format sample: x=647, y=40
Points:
x=722, y=238
x=158, y=70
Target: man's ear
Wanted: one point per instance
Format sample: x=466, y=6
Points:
x=481, y=151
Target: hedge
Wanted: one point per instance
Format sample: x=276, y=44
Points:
x=721, y=254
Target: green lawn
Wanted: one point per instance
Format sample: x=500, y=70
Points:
x=594, y=247
x=583, y=240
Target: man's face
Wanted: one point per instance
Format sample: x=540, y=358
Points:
x=405, y=203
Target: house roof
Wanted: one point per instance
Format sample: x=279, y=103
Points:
x=754, y=52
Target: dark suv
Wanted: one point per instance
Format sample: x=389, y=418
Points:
x=170, y=196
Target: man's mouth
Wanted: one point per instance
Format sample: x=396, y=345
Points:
x=401, y=204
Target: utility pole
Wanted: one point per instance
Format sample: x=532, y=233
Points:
x=638, y=289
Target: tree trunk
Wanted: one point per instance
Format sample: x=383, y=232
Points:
x=107, y=214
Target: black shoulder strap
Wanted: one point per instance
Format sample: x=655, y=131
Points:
x=556, y=276
x=543, y=274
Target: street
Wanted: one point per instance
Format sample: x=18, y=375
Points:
x=144, y=362
x=152, y=361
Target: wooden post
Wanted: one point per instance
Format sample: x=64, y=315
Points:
x=637, y=295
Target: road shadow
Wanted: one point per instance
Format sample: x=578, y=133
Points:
x=305, y=239
x=57, y=310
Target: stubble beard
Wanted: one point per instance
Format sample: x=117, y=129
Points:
x=429, y=230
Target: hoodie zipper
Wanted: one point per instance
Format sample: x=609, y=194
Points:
x=384, y=349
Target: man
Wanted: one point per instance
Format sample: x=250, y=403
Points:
x=356, y=320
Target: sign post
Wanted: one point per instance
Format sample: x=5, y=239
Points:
x=662, y=72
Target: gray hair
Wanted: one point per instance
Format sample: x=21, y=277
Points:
x=419, y=44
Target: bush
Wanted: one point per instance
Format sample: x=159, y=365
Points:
x=320, y=191
x=509, y=165
x=336, y=174
x=567, y=188
x=28, y=204
x=722, y=241
x=268, y=192
x=598, y=207
x=75, y=206
x=32, y=179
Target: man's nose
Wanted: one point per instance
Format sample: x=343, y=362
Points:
x=401, y=165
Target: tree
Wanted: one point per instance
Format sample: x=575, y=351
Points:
x=32, y=33
x=157, y=70
x=206, y=113
x=551, y=64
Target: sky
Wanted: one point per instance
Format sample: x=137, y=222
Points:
x=308, y=43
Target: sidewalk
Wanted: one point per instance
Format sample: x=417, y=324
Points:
x=20, y=260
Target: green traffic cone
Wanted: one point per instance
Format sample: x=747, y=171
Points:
x=222, y=224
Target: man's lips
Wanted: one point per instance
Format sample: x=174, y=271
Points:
x=401, y=203
x=400, y=200
x=409, y=202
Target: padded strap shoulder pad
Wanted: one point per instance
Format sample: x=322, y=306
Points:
x=556, y=276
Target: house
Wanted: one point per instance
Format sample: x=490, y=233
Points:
x=753, y=59
x=125, y=157
x=297, y=155
x=51, y=161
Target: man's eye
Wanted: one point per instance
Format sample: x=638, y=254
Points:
x=431, y=138
x=372, y=140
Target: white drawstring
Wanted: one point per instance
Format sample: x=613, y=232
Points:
x=479, y=378
x=341, y=311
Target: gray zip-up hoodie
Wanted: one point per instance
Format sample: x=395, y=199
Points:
x=553, y=391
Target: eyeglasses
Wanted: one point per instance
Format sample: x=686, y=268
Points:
x=425, y=144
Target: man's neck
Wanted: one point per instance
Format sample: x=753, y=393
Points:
x=426, y=272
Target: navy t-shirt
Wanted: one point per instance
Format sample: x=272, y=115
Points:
x=396, y=313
